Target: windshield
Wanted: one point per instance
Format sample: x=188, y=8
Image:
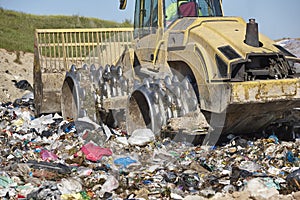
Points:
x=191, y=8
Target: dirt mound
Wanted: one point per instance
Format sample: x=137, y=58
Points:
x=14, y=67
x=293, y=45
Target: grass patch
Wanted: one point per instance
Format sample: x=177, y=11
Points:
x=17, y=28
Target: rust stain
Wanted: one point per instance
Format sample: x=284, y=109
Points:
x=263, y=91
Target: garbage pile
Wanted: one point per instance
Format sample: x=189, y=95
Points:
x=54, y=158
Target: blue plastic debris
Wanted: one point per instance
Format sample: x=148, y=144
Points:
x=147, y=182
x=274, y=138
x=290, y=156
x=124, y=162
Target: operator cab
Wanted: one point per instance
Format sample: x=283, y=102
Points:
x=148, y=16
x=153, y=14
x=152, y=19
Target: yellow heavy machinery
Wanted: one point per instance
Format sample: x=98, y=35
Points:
x=184, y=67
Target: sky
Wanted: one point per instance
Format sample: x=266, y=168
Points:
x=276, y=18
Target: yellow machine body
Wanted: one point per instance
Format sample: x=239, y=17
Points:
x=234, y=71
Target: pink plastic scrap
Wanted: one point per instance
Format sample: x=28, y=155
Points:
x=95, y=153
x=47, y=155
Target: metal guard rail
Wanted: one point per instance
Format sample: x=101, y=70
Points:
x=58, y=49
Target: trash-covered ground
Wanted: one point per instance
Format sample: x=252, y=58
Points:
x=54, y=158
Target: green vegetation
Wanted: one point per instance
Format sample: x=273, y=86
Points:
x=17, y=29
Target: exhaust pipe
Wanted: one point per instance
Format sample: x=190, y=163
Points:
x=251, y=37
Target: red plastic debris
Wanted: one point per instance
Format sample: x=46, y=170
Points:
x=48, y=156
x=95, y=153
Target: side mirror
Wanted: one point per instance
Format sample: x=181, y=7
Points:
x=123, y=4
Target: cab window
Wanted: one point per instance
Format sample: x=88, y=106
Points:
x=210, y=8
x=174, y=9
x=145, y=17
